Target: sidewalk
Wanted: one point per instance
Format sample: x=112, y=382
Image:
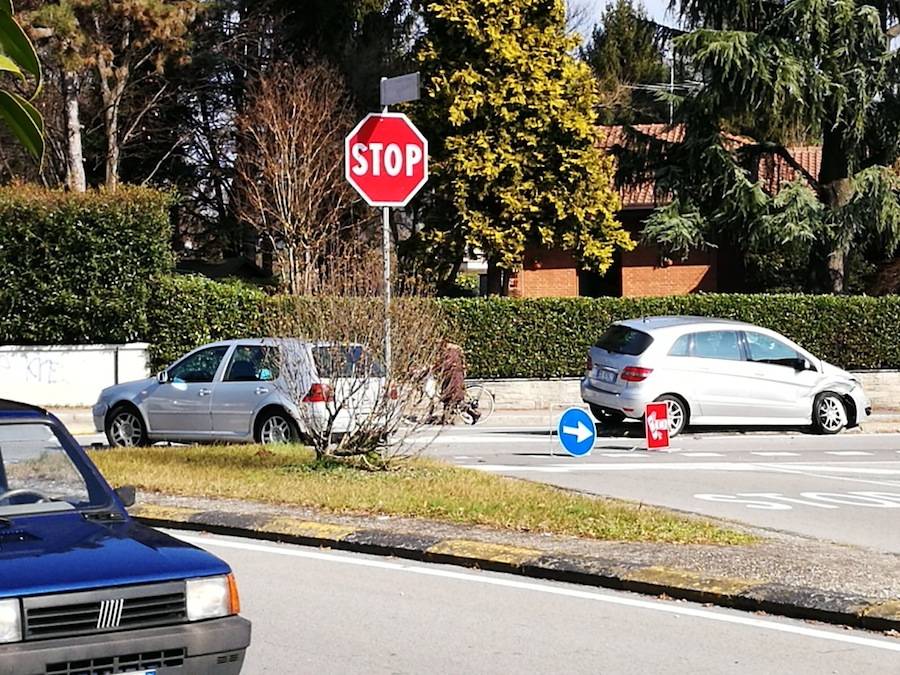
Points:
x=783, y=574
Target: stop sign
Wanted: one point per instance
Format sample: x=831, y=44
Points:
x=386, y=159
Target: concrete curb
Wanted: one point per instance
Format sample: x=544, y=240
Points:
x=745, y=594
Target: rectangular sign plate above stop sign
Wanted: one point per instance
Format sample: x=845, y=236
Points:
x=386, y=159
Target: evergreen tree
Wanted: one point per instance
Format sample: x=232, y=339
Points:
x=509, y=113
x=808, y=72
x=624, y=51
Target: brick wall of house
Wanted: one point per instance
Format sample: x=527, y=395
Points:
x=546, y=274
x=643, y=273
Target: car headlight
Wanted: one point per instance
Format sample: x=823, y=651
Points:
x=10, y=621
x=211, y=597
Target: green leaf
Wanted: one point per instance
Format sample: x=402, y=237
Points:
x=24, y=120
x=16, y=45
x=9, y=66
x=6, y=6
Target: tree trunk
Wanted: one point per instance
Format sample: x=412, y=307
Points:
x=497, y=279
x=835, y=191
x=75, y=179
x=112, y=146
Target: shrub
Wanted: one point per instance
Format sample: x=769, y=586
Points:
x=549, y=337
x=76, y=268
x=188, y=311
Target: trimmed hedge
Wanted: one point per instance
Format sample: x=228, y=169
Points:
x=76, y=268
x=188, y=311
x=549, y=337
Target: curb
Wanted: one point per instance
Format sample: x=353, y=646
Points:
x=745, y=594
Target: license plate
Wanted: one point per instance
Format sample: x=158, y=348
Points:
x=607, y=376
x=140, y=672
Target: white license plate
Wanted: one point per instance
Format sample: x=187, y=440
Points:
x=607, y=376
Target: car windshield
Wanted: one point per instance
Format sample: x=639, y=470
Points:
x=36, y=472
x=346, y=361
x=624, y=340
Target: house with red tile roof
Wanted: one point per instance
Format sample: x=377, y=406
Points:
x=643, y=271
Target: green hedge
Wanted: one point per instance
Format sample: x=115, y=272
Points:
x=188, y=311
x=549, y=337
x=76, y=268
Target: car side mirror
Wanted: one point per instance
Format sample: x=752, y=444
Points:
x=126, y=494
x=803, y=364
x=162, y=376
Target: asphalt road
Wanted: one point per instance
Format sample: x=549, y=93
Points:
x=316, y=611
x=843, y=488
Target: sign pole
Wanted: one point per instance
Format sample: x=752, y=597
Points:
x=386, y=253
x=386, y=256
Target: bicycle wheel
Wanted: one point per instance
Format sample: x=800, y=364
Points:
x=478, y=404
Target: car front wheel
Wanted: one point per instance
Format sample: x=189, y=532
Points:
x=125, y=428
x=829, y=413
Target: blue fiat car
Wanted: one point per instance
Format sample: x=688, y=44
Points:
x=85, y=589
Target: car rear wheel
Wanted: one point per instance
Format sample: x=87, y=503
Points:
x=829, y=413
x=677, y=413
x=125, y=428
x=275, y=427
x=605, y=416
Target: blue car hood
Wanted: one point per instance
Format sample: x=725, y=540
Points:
x=65, y=552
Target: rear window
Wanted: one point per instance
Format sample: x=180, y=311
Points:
x=624, y=340
x=346, y=361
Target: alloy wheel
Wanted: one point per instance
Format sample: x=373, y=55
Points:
x=676, y=417
x=126, y=430
x=831, y=413
x=276, y=429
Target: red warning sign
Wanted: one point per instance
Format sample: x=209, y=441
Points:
x=656, y=425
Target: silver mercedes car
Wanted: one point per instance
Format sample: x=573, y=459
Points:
x=716, y=372
x=238, y=391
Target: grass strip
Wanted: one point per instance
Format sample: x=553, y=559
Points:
x=290, y=475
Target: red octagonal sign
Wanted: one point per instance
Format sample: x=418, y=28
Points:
x=386, y=159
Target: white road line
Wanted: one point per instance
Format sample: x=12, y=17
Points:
x=775, y=453
x=597, y=596
x=786, y=467
x=849, y=453
x=702, y=454
x=629, y=455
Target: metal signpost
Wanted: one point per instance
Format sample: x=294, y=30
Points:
x=576, y=432
x=386, y=160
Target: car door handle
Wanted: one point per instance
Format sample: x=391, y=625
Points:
x=261, y=390
x=205, y=392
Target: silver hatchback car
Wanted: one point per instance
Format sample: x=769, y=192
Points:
x=717, y=372
x=231, y=391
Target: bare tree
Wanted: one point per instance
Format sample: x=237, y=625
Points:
x=291, y=184
x=349, y=405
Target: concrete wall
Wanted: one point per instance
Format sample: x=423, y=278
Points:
x=68, y=375
x=882, y=386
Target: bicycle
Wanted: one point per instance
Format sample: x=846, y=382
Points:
x=477, y=406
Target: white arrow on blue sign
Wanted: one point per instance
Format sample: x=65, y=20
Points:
x=576, y=432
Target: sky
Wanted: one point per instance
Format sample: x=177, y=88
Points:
x=655, y=8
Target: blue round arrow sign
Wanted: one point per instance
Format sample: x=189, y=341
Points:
x=576, y=432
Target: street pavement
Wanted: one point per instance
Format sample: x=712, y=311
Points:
x=318, y=611
x=843, y=488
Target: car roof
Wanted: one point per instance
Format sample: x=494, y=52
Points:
x=649, y=323
x=17, y=409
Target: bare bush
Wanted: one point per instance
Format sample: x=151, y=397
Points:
x=290, y=180
x=351, y=405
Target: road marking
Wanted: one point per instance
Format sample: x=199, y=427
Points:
x=848, y=453
x=597, y=596
x=786, y=467
x=624, y=455
x=702, y=454
x=771, y=501
x=775, y=453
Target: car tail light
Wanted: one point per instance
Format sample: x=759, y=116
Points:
x=318, y=393
x=635, y=374
x=589, y=365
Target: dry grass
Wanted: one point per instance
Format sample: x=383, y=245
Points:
x=419, y=488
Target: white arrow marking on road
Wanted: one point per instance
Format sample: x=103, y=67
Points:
x=580, y=432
